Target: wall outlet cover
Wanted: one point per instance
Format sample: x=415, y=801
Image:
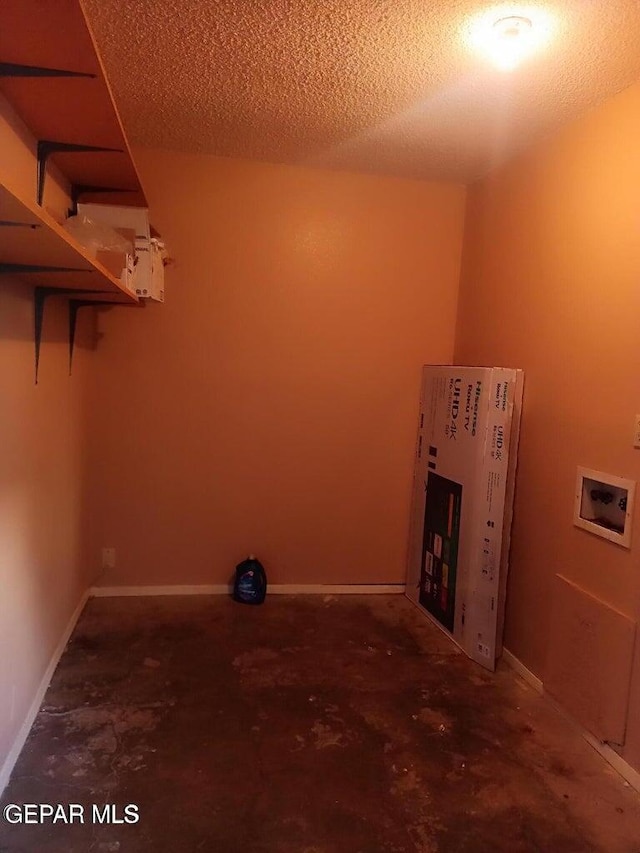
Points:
x=108, y=558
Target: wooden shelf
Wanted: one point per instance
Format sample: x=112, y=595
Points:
x=39, y=240
x=78, y=110
x=53, y=80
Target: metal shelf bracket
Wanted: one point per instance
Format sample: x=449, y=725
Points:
x=47, y=147
x=12, y=69
x=40, y=296
x=10, y=223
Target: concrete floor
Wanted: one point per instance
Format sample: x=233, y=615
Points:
x=308, y=725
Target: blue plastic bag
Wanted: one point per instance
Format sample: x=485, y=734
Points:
x=250, y=585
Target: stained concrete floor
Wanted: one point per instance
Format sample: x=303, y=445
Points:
x=308, y=725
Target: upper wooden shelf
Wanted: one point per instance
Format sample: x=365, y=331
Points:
x=35, y=238
x=77, y=110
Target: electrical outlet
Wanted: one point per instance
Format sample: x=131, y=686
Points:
x=108, y=558
x=636, y=432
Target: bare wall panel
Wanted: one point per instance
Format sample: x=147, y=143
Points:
x=589, y=660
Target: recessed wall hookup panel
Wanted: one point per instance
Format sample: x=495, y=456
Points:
x=604, y=505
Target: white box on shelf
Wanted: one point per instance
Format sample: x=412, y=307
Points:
x=158, y=255
x=462, y=502
x=137, y=218
x=120, y=265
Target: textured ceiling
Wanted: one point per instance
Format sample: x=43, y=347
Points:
x=387, y=86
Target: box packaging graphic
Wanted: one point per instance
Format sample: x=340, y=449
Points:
x=462, y=502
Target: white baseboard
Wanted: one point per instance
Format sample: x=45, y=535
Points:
x=226, y=589
x=184, y=589
x=337, y=588
x=628, y=773
x=25, y=728
x=617, y=762
x=526, y=674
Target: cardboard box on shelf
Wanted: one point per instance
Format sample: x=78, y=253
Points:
x=136, y=218
x=462, y=502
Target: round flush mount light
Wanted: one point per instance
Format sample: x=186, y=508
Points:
x=513, y=28
x=512, y=41
x=508, y=39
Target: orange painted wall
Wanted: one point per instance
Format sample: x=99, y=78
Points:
x=270, y=405
x=551, y=283
x=42, y=468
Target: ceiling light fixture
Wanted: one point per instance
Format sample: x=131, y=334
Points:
x=507, y=40
x=512, y=41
